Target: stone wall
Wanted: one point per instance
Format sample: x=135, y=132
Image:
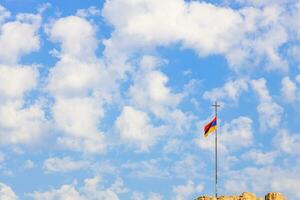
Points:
x=245, y=196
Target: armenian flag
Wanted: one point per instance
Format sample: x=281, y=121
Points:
x=210, y=127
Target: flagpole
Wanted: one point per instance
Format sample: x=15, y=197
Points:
x=216, y=150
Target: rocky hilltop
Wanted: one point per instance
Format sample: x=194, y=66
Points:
x=246, y=196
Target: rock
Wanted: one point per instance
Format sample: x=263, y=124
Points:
x=245, y=196
x=248, y=196
x=274, y=196
x=206, y=198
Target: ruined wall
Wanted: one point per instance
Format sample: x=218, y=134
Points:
x=246, y=196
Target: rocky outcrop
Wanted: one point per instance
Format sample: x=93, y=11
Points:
x=274, y=196
x=245, y=196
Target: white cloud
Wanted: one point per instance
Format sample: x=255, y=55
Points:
x=261, y=179
x=91, y=11
x=183, y=192
x=134, y=126
x=28, y=164
x=16, y=81
x=188, y=162
x=230, y=91
x=19, y=37
x=269, y=111
x=172, y=21
x=64, y=164
x=246, y=37
x=93, y=189
x=6, y=193
x=80, y=42
x=288, y=89
x=287, y=142
x=259, y=157
x=149, y=90
x=4, y=13
x=71, y=77
x=20, y=125
x=155, y=196
x=78, y=119
x=65, y=192
x=233, y=136
x=145, y=169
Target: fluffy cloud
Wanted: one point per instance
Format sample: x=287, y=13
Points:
x=235, y=135
x=259, y=157
x=149, y=90
x=187, y=191
x=64, y=164
x=134, y=126
x=19, y=37
x=269, y=111
x=230, y=91
x=80, y=42
x=249, y=35
x=288, y=89
x=4, y=13
x=145, y=169
x=16, y=80
x=21, y=125
x=74, y=81
x=91, y=190
x=6, y=193
x=262, y=179
x=65, y=192
x=78, y=119
x=287, y=142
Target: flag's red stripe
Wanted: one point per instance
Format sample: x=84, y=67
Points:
x=209, y=125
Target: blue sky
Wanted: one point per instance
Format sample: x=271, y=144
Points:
x=107, y=99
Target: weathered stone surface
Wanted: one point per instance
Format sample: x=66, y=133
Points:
x=246, y=196
x=206, y=198
x=275, y=196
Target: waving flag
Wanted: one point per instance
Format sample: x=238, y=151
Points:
x=210, y=127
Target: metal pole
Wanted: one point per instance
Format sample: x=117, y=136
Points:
x=216, y=150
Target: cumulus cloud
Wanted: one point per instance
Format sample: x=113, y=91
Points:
x=288, y=142
x=80, y=42
x=246, y=36
x=187, y=191
x=19, y=37
x=262, y=179
x=6, y=193
x=64, y=164
x=92, y=189
x=145, y=169
x=150, y=92
x=78, y=84
x=288, y=89
x=259, y=157
x=16, y=81
x=78, y=119
x=230, y=91
x=235, y=135
x=20, y=125
x=134, y=126
x=269, y=111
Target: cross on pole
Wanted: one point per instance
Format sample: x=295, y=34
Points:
x=216, y=106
